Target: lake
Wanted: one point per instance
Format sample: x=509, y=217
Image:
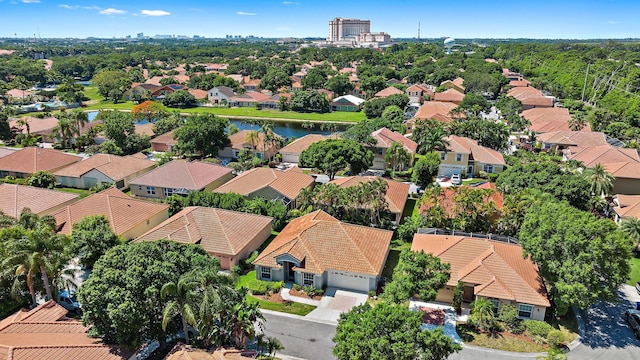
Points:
x=283, y=128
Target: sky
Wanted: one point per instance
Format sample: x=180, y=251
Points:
x=560, y=19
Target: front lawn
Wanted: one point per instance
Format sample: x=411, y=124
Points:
x=284, y=307
x=634, y=274
x=500, y=341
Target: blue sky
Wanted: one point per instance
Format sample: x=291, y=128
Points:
x=300, y=18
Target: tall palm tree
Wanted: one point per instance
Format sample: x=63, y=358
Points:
x=483, y=310
x=631, y=226
x=577, y=122
x=601, y=181
x=23, y=122
x=253, y=137
x=80, y=118
x=397, y=156
x=432, y=141
x=181, y=294
x=65, y=130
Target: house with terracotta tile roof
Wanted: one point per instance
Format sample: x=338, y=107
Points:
x=163, y=143
x=251, y=85
x=489, y=269
x=241, y=140
x=626, y=206
x=36, y=126
x=179, y=177
x=396, y=196
x=531, y=97
x=559, y=140
x=248, y=99
x=451, y=95
x=17, y=96
x=270, y=184
x=198, y=94
x=291, y=152
x=551, y=119
x=14, y=198
x=4, y=151
x=465, y=156
x=27, y=161
x=446, y=199
x=456, y=84
x=45, y=332
x=103, y=169
x=627, y=177
x=603, y=154
x=187, y=352
x=318, y=250
x=220, y=95
x=128, y=217
x=388, y=91
x=384, y=139
x=163, y=91
x=350, y=103
x=229, y=236
x=417, y=93
x=437, y=110
x=140, y=91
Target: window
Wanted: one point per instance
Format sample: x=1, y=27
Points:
x=379, y=150
x=167, y=191
x=496, y=305
x=140, y=187
x=307, y=279
x=443, y=156
x=487, y=168
x=265, y=273
x=525, y=311
x=458, y=157
x=151, y=190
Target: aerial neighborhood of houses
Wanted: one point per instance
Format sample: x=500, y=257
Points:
x=310, y=178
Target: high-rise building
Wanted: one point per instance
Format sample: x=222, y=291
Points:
x=346, y=29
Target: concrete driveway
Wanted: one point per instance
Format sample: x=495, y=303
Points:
x=334, y=302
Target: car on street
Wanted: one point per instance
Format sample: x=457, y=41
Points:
x=632, y=317
x=456, y=179
x=69, y=301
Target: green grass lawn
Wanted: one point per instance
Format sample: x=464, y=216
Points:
x=91, y=92
x=83, y=193
x=634, y=275
x=500, y=342
x=289, y=308
x=567, y=324
x=409, y=208
x=472, y=180
x=290, y=115
x=394, y=256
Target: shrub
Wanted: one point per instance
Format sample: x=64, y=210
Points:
x=310, y=290
x=236, y=269
x=277, y=286
x=493, y=177
x=458, y=294
x=539, y=340
x=537, y=328
x=246, y=264
x=555, y=338
x=319, y=292
x=482, y=174
x=259, y=288
x=508, y=315
x=297, y=287
x=372, y=293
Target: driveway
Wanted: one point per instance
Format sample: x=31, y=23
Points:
x=335, y=302
x=605, y=334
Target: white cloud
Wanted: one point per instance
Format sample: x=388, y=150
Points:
x=92, y=7
x=112, y=11
x=30, y=1
x=154, y=13
x=245, y=13
x=65, y=6
x=290, y=3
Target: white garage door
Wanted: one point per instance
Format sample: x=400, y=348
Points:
x=290, y=158
x=348, y=281
x=448, y=170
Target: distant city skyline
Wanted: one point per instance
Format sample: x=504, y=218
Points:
x=573, y=19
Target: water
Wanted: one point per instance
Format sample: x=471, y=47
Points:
x=282, y=128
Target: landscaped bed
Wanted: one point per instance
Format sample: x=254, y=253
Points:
x=270, y=300
x=499, y=340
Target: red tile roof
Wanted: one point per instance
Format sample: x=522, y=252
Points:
x=300, y=144
x=604, y=154
x=113, y=166
x=452, y=95
x=165, y=139
x=287, y=183
x=218, y=231
x=530, y=96
x=180, y=174
x=485, y=155
x=38, y=126
x=14, y=198
x=396, y=195
x=321, y=242
x=391, y=90
x=386, y=137
x=573, y=138
x=433, y=109
x=496, y=269
x=628, y=170
x=239, y=141
x=32, y=159
x=627, y=206
x=123, y=212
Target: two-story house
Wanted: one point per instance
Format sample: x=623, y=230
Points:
x=464, y=156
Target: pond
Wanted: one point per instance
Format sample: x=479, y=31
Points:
x=286, y=129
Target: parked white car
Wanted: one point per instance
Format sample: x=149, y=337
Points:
x=456, y=179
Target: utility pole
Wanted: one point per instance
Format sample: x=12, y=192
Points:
x=584, y=87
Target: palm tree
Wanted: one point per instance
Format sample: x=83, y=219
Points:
x=631, y=226
x=601, y=181
x=181, y=294
x=273, y=345
x=483, y=310
x=80, y=118
x=577, y=122
x=65, y=130
x=432, y=141
x=397, y=156
x=253, y=137
x=23, y=122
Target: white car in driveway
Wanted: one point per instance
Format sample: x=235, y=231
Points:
x=456, y=179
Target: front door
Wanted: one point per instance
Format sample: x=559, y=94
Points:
x=291, y=275
x=468, y=294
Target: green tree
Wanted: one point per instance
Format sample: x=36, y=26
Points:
x=419, y=274
x=42, y=179
x=168, y=123
x=483, y=313
x=122, y=298
x=397, y=156
x=631, y=226
x=118, y=126
x=111, y=84
x=202, y=134
x=331, y=156
x=314, y=79
x=64, y=130
x=393, y=113
x=487, y=132
x=180, y=295
x=474, y=104
x=340, y=85
x=430, y=139
x=180, y=99
x=583, y=259
x=508, y=106
x=389, y=332
x=274, y=79
x=601, y=181
x=372, y=84
x=425, y=169
x=92, y=237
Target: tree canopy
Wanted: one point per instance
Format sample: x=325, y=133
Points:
x=92, y=237
x=202, y=134
x=331, y=156
x=419, y=274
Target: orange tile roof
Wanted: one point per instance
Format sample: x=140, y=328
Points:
x=386, y=92
x=17, y=93
x=32, y=159
x=604, y=154
x=300, y=144
x=186, y=352
x=287, y=183
x=123, y=212
x=627, y=206
x=574, y=138
x=239, y=141
x=113, y=166
x=386, y=137
x=165, y=139
x=431, y=109
x=180, y=174
x=218, y=231
x=629, y=170
x=36, y=125
x=45, y=333
x=321, y=242
x=14, y=198
x=198, y=94
x=144, y=129
x=530, y=96
x=485, y=155
x=496, y=269
x=396, y=195
x=452, y=95
x=4, y=151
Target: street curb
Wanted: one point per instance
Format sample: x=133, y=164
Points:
x=505, y=353
x=293, y=316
